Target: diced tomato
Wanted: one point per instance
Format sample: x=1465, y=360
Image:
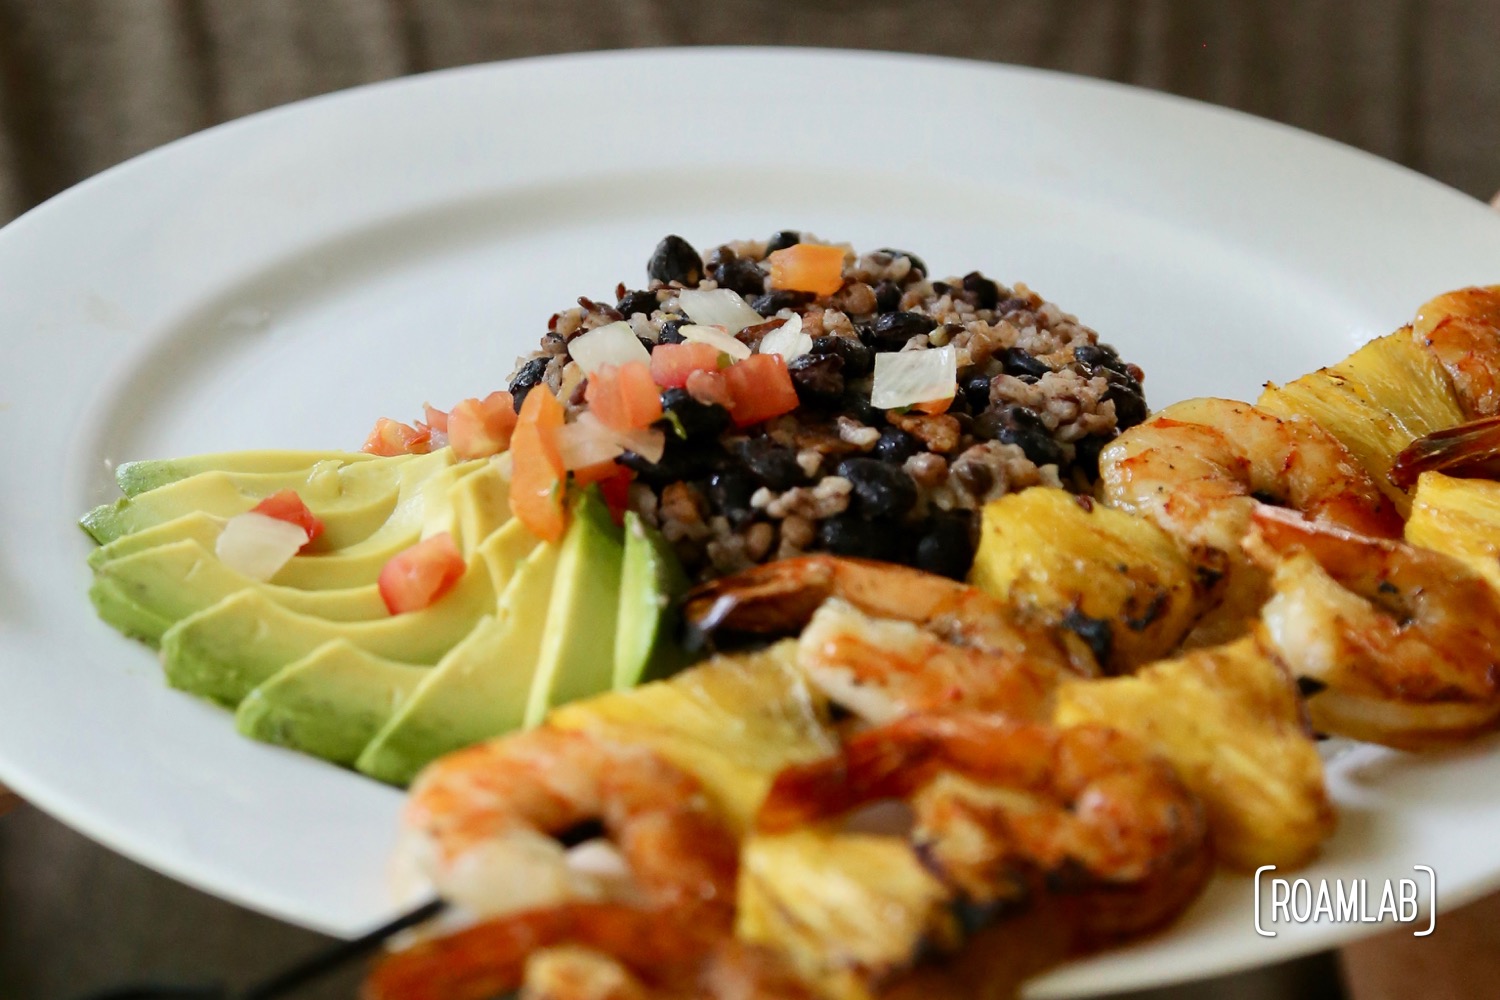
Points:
x=616, y=493
x=536, y=485
x=808, y=267
x=435, y=418
x=286, y=505
x=415, y=578
x=481, y=428
x=624, y=398
x=934, y=406
x=759, y=388
x=671, y=364
x=709, y=387
x=391, y=437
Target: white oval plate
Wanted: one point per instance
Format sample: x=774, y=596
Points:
x=283, y=280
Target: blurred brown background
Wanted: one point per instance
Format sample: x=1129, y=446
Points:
x=85, y=84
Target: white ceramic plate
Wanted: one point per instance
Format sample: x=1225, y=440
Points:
x=283, y=280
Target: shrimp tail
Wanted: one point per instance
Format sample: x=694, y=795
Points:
x=1470, y=447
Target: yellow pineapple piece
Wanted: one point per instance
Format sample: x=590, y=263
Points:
x=1062, y=559
x=1376, y=401
x=848, y=909
x=1230, y=720
x=733, y=722
x=1460, y=518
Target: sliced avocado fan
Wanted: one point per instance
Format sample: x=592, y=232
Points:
x=139, y=477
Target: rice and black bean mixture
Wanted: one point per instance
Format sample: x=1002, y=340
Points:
x=1037, y=398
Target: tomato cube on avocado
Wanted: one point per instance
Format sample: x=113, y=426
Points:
x=416, y=577
x=287, y=505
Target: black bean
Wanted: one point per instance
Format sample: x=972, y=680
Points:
x=880, y=489
x=637, y=302
x=848, y=535
x=647, y=344
x=1038, y=445
x=1093, y=356
x=1010, y=305
x=947, y=545
x=1020, y=362
x=818, y=378
x=918, y=265
x=681, y=462
x=526, y=378
x=780, y=298
x=891, y=331
x=775, y=466
x=1086, y=454
x=717, y=256
x=986, y=293
x=669, y=332
x=887, y=297
x=857, y=405
x=976, y=389
x=674, y=259
x=1130, y=404
x=783, y=239
x=730, y=492
x=896, y=446
x=859, y=360
x=743, y=276
x=690, y=419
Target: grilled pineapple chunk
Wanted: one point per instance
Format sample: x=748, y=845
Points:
x=1118, y=580
x=1230, y=720
x=733, y=722
x=1376, y=401
x=848, y=909
x=1460, y=518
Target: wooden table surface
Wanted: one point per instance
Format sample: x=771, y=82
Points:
x=87, y=83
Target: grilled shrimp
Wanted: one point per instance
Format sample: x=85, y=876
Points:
x=1405, y=641
x=585, y=951
x=484, y=823
x=779, y=598
x=1198, y=468
x=882, y=668
x=1462, y=329
x=1008, y=811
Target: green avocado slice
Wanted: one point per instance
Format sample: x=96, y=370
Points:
x=330, y=702
x=197, y=526
x=182, y=578
x=651, y=582
x=578, y=639
x=425, y=492
x=224, y=651
x=148, y=474
x=480, y=688
x=352, y=501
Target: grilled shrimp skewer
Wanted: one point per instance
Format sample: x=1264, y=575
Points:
x=1198, y=468
x=1462, y=329
x=1009, y=811
x=1406, y=640
x=484, y=822
x=882, y=668
x=779, y=598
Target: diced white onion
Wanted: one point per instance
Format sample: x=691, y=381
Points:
x=905, y=378
x=716, y=337
x=718, y=307
x=582, y=444
x=611, y=344
x=258, y=546
x=588, y=441
x=787, y=340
